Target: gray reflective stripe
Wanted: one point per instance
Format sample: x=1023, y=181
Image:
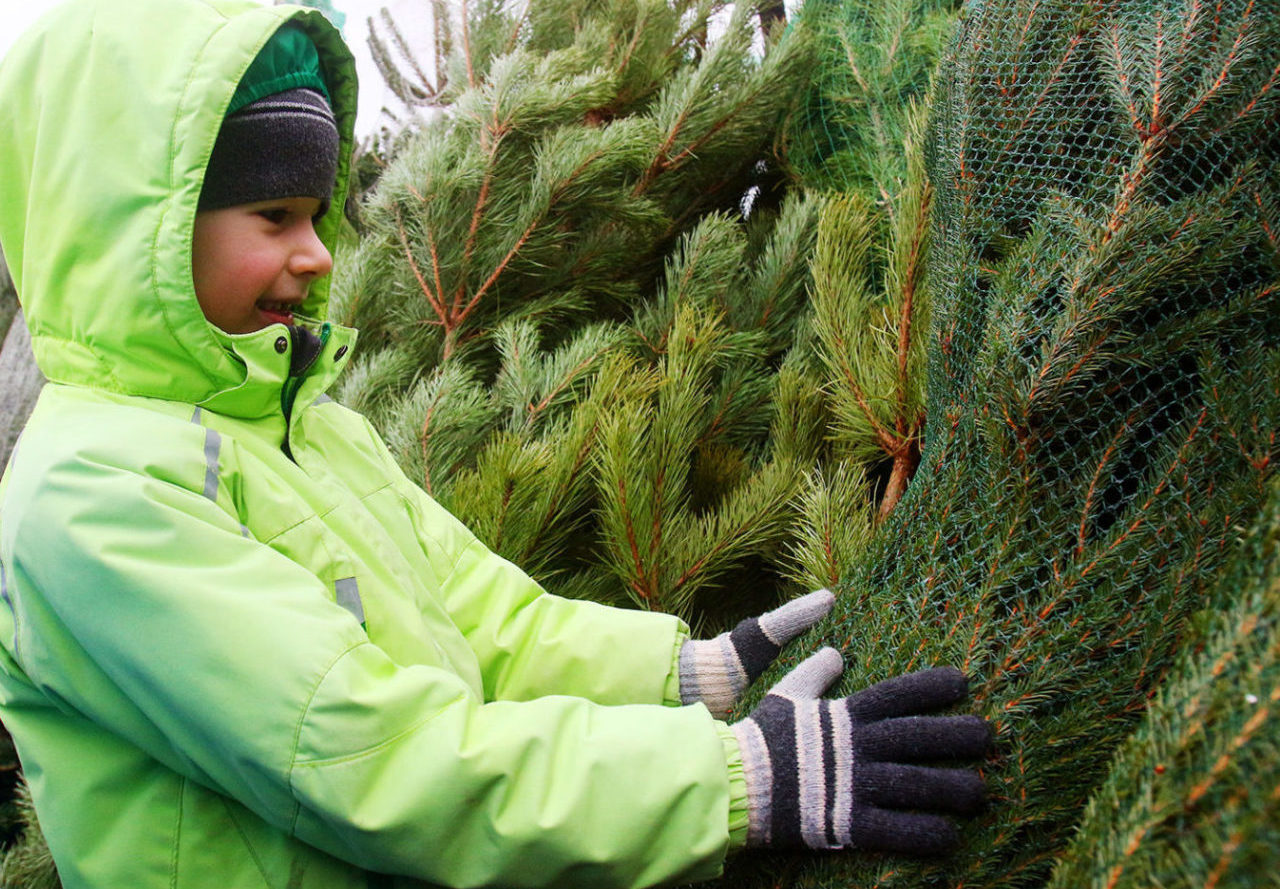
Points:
x=212, y=445
x=244, y=531
x=322, y=399
x=348, y=591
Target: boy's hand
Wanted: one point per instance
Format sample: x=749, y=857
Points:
x=840, y=773
x=716, y=671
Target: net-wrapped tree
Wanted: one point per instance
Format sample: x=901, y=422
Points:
x=1193, y=799
x=1103, y=397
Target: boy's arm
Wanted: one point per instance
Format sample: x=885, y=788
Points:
x=530, y=643
x=143, y=608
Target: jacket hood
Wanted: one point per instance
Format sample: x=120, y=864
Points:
x=109, y=110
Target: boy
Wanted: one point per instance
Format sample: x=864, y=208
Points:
x=239, y=647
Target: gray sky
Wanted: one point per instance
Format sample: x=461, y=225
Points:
x=16, y=15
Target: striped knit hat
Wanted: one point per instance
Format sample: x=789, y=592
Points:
x=279, y=138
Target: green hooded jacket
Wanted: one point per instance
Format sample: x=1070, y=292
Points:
x=224, y=667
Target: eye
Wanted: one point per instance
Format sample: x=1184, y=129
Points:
x=274, y=215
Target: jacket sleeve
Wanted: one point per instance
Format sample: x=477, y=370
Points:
x=531, y=643
x=143, y=607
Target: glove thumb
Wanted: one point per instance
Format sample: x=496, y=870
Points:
x=812, y=677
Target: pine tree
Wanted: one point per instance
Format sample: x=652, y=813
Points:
x=860, y=139
x=575, y=334
x=1103, y=397
x=875, y=61
x=662, y=292
x=399, y=64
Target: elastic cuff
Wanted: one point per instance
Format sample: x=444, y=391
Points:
x=671, y=691
x=738, y=808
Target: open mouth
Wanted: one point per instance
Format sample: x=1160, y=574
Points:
x=277, y=311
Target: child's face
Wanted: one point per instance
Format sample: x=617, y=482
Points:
x=253, y=263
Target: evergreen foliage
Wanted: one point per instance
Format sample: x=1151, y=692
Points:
x=1103, y=396
x=1193, y=799
x=874, y=61
x=524, y=197
x=586, y=318
x=574, y=334
x=401, y=68
x=859, y=138
x=604, y=324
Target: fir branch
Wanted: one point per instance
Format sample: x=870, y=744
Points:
x=1187, y=782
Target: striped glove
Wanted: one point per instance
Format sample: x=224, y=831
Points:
x=835, y=773
x=715, y=671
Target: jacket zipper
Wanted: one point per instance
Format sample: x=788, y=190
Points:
x=292, y=383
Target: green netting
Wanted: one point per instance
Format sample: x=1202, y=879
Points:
x=1103, y=397
x=1193, y=798
x=875, y=61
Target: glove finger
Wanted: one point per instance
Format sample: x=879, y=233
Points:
x=784, y=623
x=812, y=677
x=916, y=738
x=907, y=833
x=757, y=640
x=893, y=786
x=910, y=693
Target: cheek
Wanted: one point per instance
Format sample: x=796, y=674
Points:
x=237, y=274
x=252, y=269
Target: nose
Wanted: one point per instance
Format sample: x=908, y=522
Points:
x=310, y=258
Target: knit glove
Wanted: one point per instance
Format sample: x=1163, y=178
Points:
x=838, y=773
x=715, y=671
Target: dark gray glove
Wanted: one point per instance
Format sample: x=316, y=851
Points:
x=840, y=773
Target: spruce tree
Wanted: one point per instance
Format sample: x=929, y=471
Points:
x=1103, y=396
x=1193, y=798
